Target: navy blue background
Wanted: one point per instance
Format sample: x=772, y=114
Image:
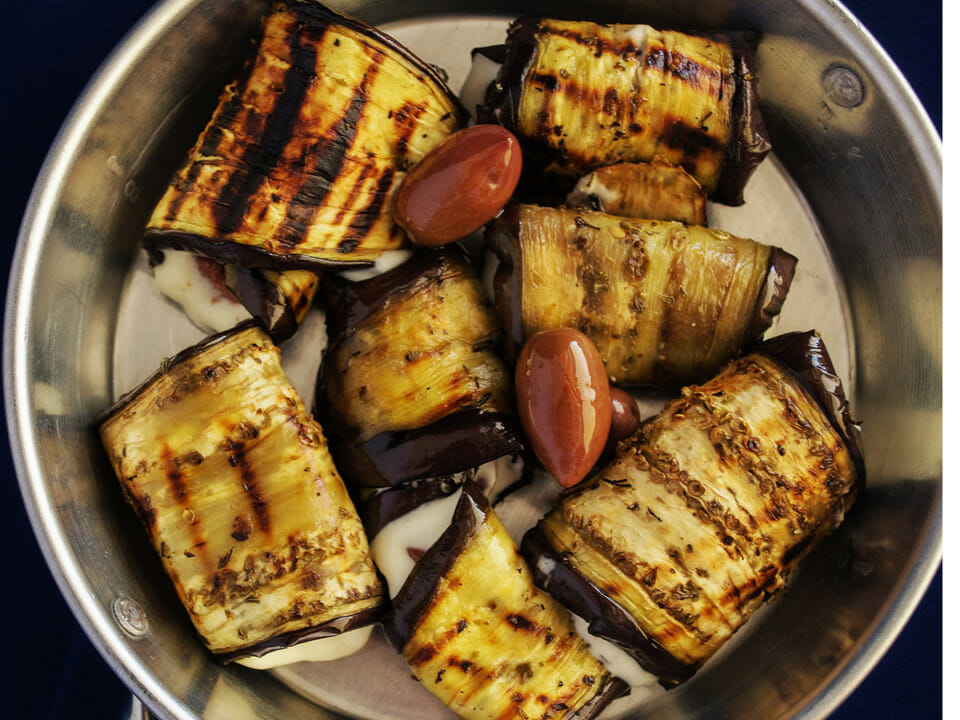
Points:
x=49, y=49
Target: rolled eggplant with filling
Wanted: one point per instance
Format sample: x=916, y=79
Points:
x=472, y=626
x=664, y=303
x=216, y=297
x=581, y=96
x=235, y=486
x=706, y=511
x=298, y=165
x=653, y=191
x=411, y=382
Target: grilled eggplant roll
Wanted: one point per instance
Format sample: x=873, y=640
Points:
x=581, y=95
x=216, y=297
x=411, y=375
x=654, y=191
x=707, y=510
x=477, y=632
x=298, y=165
x=236, y=488
x=665, y=303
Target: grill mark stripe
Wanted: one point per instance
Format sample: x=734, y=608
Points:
x=251, y=487
x=260, y=157
x=779, y=495
x=181, y=494
x=328, y=163
x=656, y=58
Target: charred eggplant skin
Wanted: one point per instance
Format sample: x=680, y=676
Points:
x=278, y=300
x=720, y=144
x=553, y=675
x=457, y=442
x=663, y=302
x=233, y=482
x=297, y=167
x=771, y=430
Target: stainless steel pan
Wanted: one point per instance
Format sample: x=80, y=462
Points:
x=857, y=163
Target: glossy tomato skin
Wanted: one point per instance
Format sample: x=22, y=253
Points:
x=563, y=399
x=460, y=185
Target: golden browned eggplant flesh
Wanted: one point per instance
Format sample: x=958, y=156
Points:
x=413, y=346
x=480, y=636
x=665, y=303
x=299, y=163
x=653, y=191
x=232, y=480
x=582, y=95
x=706, y=511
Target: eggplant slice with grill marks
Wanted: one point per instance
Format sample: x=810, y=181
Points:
x=297, y=167
x=480, y=636
x=411, y=384
x=216, y=296
x=234, y=483
x=708, y=509
x=665, y=303
x=653, y=191
x=581, y=96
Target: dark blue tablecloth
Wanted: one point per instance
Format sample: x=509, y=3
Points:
x=50, y=49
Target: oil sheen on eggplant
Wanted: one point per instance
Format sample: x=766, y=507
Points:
x=665, y=303
x=481, y=637
x=298, y=165
x=705, y=512
x=581, y=96
x=233, y=481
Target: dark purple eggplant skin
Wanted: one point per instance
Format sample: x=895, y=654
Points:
x=333, y=627
x=805, y=355
x=605, y=617
x=781, y=269
x=230, y=253
x=748, y=146
x=750, y=143
x=460, y=441
x=386, y=506
x=416, y=595
x=263, y=300
x=503, y=240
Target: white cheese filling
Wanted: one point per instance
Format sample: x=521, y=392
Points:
x=614, y=658
x=387, y=260
x=323, y=649
x=417, y=531
x=474, y=90
x=590, y=185
x=179, y=278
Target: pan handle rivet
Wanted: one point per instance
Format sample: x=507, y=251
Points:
x=843, y=86
x=130, y=616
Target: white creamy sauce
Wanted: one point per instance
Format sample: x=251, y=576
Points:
x=497, y=475
x=179, y=278
x=474, y=90
x=615, y=659
x=590, y=185
x=418, y=529
x=319, y=650
x=388, y=260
